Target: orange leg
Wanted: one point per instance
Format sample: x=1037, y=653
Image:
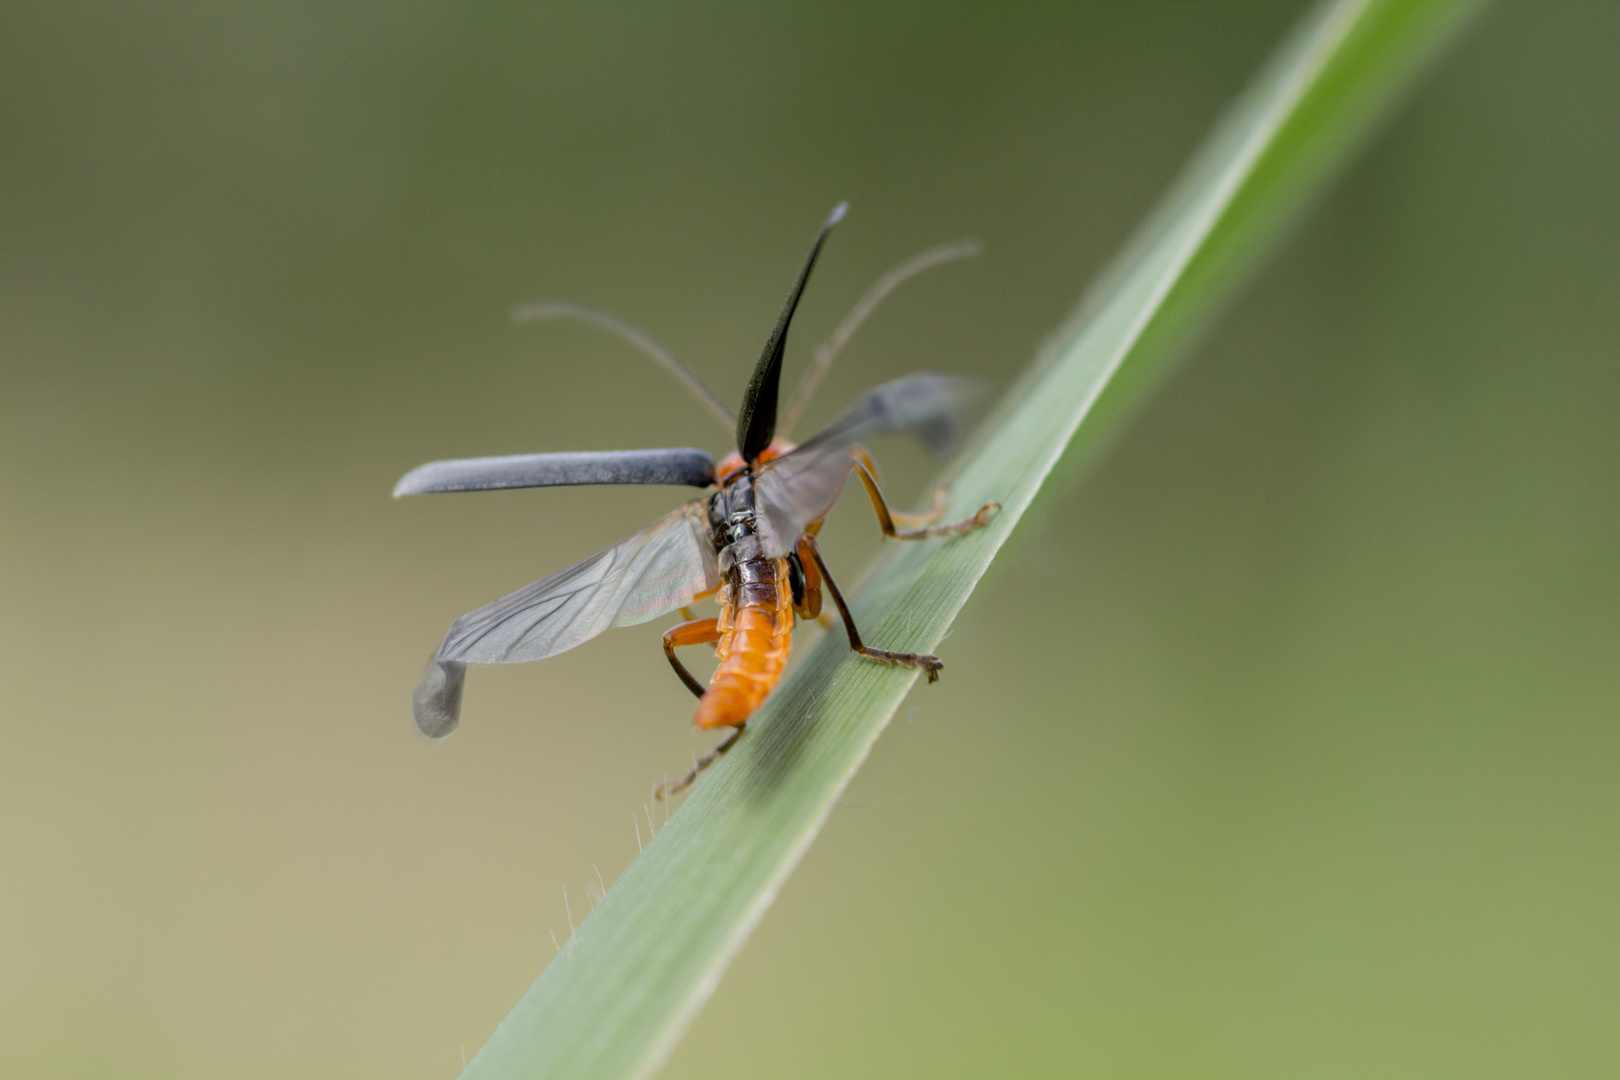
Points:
x=941, y=494
x=941, y=497
x=811, y=607
x=696, y=632
x=929, y=664
x=887, y=518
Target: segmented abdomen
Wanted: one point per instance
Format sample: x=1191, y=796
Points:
x=756, y=632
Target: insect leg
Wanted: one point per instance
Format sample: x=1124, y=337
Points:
x=810, y=607
x=941, y=496
x=675, y=787
x=886, y=517
x=696, y=632
x=929, y=664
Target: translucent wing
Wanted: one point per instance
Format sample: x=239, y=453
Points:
x=659, y=569
x=801, y=486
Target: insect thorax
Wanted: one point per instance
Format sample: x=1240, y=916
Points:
x=734, y=527
x=748, y=575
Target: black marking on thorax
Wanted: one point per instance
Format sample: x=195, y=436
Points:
x=743, y=565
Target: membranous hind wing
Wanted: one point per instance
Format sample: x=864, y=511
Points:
x=800, y=487
x=659, y=569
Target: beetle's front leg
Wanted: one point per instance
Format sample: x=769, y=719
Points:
x=887, y=518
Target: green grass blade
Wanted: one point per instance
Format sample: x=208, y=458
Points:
x=617, y=998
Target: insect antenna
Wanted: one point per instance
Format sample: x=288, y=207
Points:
x=756, y=422
x=958, y=249
x=562, y=309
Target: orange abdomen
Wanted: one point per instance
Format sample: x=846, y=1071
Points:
x=756, y=632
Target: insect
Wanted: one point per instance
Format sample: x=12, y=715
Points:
x=751, y=543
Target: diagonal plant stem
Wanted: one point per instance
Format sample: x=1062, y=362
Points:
x=615, y=1001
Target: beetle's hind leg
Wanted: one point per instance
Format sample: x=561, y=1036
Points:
x=675, y=787
x=696, y=632
x=889, y=521
x=928, y=663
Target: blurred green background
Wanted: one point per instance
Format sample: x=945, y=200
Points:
x=1286, y=746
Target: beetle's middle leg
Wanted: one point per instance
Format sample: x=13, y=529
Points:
x=887, y=518
x=696, y=632
x=929, y=663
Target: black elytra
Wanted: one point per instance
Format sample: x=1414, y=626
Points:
x=756, y=423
